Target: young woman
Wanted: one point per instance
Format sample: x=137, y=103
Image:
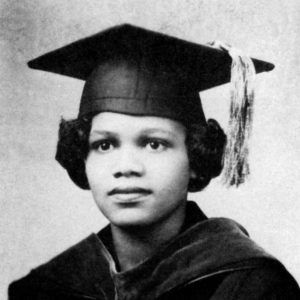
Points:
x=141, y=143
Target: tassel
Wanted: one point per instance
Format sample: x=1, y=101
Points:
x=236, y=165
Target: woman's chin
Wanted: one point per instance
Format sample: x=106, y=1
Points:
x=125, y=223
x=132, y=219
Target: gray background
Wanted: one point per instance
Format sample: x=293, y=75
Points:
x=43, y=212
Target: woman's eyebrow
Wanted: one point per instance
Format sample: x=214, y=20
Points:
x=158, y=130
x=105, y=133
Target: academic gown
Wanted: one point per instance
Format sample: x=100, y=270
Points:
x=210, y=259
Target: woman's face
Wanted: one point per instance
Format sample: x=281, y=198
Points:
x=137, y=168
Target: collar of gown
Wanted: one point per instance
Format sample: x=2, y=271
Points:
x=205, y=247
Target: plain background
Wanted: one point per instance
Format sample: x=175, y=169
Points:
x=43, y=212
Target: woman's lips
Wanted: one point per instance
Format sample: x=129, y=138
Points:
x=129, y=194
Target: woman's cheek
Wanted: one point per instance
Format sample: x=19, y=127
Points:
x=173, y=173
x=96, y=171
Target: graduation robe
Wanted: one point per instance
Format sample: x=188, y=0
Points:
x=210, y=259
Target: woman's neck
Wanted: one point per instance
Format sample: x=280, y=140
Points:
x=135, y=244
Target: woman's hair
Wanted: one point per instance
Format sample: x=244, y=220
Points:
x=205, y=145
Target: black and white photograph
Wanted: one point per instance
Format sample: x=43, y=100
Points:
x=150, y=150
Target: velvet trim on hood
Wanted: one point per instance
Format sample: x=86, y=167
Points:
x=206, y=248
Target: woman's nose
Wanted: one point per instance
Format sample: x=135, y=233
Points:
x=128, y=164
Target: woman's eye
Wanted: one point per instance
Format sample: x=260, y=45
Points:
x=156, y=146
x=102, y=146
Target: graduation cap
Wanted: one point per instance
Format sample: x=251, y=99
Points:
x=131, y=70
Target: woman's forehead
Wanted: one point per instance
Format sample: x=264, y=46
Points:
x=117, y=122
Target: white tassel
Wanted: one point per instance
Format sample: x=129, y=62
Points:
x=236, y=166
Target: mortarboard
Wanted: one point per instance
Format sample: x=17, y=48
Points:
x=131, y=70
